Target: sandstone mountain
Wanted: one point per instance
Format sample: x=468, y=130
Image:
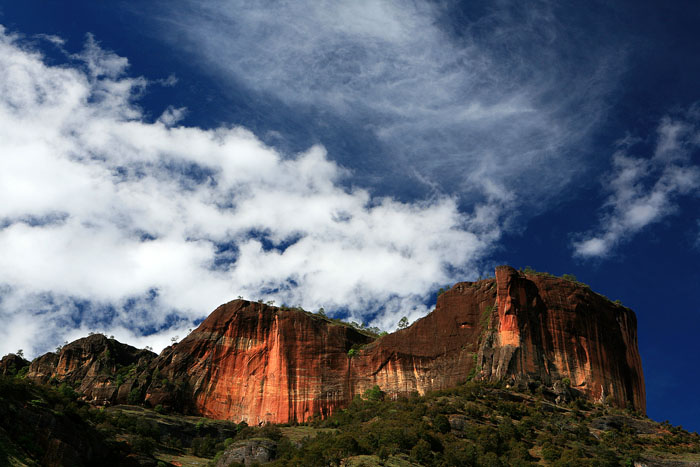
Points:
x=103, y=370
x=257, y=363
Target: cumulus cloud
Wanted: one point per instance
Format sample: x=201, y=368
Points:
x=492, y=113
x=114, y=223
x=645, y=190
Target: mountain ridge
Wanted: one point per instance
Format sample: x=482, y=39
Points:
x=249, y=361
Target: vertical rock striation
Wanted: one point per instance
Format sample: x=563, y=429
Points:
x=249, y=361
x=258, y=363
x=253, y=362
x=547, y=328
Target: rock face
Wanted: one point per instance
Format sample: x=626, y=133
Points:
x=249, y=361
x=549, y=329
x=253, y=362
x=11, y=364
x=249, y=452
x=257, y=363
x=103, y=370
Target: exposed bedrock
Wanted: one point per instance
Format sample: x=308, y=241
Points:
x=254, y=362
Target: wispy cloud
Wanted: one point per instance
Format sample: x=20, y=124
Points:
x=493, y=113
x=111, y=222
x=644, y=190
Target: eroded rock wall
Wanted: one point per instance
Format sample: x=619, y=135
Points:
x=549, y=329
x=258, y=363
x=253, y=362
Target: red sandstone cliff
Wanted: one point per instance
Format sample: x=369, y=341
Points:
x=550, y=328
x=248, y=361
x=258, y=363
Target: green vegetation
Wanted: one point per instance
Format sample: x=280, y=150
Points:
x=373, y=394
x=568, y=277
x=123, y=373
x=362, y=328
x=475, y=423
x=483, y=424
x=403, y=323
x=34, y=417
x=486, y=316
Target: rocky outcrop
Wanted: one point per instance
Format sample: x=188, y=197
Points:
x=550, y=329
x=253, y=362
x=102, y=369
x=519, y=328
x=257, y=363
x=436, y=352
x=248, y=452
x=11, y=364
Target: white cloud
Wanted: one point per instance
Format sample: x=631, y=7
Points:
x=169, y=82
x=111, y=223
x=172, y=115
x=500, y=107
x=644, y=191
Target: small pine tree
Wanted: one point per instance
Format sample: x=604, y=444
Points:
x=403, y=323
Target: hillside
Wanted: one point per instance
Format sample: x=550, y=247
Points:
x=475, y=423
x=519, y=369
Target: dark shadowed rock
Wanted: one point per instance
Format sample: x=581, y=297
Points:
x=11, y=364
x=248, y=452
x=102, y=369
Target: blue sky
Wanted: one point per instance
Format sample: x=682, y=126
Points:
x=160, y=160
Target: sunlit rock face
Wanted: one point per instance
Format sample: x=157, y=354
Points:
x=546, y=328
x=92, y=366
x=253, y=362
